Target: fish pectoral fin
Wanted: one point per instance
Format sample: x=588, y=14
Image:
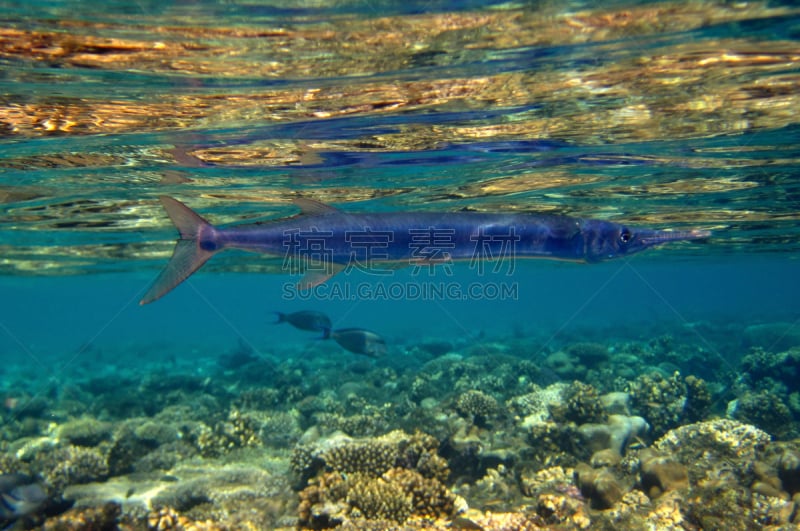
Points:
x=312, y=207
x=315, y=278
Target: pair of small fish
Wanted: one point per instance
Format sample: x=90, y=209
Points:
x=355, y=340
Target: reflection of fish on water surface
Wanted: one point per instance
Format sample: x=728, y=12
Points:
x=359, y=341
x=306, y=320
x=395, y=236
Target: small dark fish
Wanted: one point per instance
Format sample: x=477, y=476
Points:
x=306, y=320
x=359, y=341
x=20, y=495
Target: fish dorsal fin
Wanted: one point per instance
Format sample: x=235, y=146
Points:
x=311, y=207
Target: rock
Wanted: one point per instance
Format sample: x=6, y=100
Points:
x=598, y=485
x=768, y=474
x=565, y=366
x=765, y=489
x=85, y=431
x=436, y=347
x=773, y=336
x=616, y=403
x=789, y=471
x=724, y=439
x=659, y=474
x=605, y=458
x=589, y=353
x=615, y=434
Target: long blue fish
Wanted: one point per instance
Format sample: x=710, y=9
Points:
x=327, y=240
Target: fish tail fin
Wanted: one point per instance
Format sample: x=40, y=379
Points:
x=281, y=317
x=326, y=333
x=189, y=255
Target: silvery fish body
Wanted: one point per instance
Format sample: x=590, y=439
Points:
x=334, y=240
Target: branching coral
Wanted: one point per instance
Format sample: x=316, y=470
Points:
x=476, y=405
x=389, y=478
x=370, y=457
x=73, y=465
x=660, y=400
x=580, y=404
x=767, y=411
x=430, y=498
x=378, y=499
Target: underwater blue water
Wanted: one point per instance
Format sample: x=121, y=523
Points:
x=236, y=108
x=745, y=273
x=69, y=328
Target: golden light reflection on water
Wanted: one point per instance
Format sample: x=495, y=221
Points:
x=198, y=126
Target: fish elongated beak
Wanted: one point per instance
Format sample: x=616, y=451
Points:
x=662, y=236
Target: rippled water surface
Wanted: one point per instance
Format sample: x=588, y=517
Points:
x=665, y=114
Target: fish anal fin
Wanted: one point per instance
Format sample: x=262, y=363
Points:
x=312, y=207
x=317, y=277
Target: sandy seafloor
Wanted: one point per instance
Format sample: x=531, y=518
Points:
x=645, y=404
x=658, y=391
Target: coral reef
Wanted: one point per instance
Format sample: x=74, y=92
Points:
x=371, y=422
x=566, y=366
x=774, y=336
x=377, y=499
x=616, y=434
x=698, y=399
x=85, y=431
x=534, y=407
x=580, y=403
x=772, y=371
x=126, y=448
x=660, y=473
x=239, y=430
x=219, y=486
x=371, y=457
x=476, y=405
x=600, y=486
x=552, y=444
x=389, y=478
x=589, y=354
x=767, y=411
x=10, y=463
x=660, y=400
x=103, y=517
x=214, y=453
x=541, y=480
x=258, y=398
x=73, y=465
x=156, y=433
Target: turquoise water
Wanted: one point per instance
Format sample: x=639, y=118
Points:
x=651, y=114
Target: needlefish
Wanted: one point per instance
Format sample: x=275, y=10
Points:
x=345, y=239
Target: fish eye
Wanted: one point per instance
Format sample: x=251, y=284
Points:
x=625, y=235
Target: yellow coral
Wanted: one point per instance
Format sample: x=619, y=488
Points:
x=378, y=499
